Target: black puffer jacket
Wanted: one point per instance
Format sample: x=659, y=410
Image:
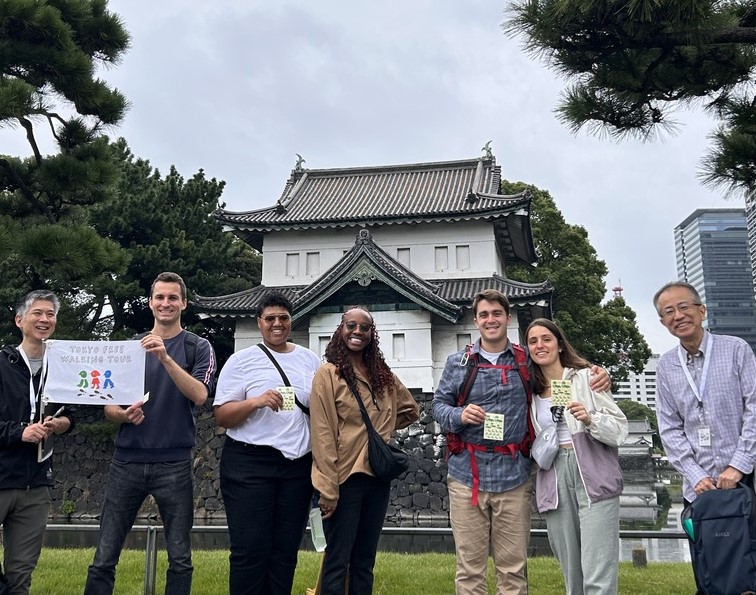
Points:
x=19, y=468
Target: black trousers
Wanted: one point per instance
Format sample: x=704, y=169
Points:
x=352, y=535
x=267, y=499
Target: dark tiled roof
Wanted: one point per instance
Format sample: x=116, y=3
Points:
x=462, y=290
x=243, y=303
x=464, y=190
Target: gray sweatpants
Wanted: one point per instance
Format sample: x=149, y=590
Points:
x=584, y=536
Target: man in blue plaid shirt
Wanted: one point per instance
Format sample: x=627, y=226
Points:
x=489, y=481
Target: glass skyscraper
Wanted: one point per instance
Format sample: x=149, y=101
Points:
x=711, y=247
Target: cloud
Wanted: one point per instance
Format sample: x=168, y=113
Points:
x=238, y=88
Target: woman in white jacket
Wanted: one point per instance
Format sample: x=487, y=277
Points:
x=579, y=493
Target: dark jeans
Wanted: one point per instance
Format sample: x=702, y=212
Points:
x=352, y=535
x=747, y=480
x=127, y=487
x=267, y=501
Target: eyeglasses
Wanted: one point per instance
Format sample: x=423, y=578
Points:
x=271, y=318
x=682, y=308
x=364, y=327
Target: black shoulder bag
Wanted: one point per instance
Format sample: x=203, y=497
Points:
x=305, y=409
x=386, y=461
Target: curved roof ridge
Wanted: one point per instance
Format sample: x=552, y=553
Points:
x=398, y=166
x=394, y=274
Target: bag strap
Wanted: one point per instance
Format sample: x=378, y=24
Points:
x=305, y=409
x=365, y=416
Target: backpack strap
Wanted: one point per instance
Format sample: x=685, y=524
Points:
x=472, y=363
x=521, y=357
x=305, y=409
x=190, y=348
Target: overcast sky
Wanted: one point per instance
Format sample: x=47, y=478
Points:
x=237, y=88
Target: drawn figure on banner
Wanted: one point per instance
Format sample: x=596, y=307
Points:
x=108, y=382
x=93, y=384
x=95, y=379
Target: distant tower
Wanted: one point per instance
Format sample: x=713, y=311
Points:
x=618, y=289
x=711, y=246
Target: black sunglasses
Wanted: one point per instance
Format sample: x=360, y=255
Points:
x=364, y=327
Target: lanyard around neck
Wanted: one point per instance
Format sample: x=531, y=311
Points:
x=34, y=394
x=682, y=355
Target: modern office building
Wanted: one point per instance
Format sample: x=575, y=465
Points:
x=640, y=388
x=711, y=247
x=750, y=213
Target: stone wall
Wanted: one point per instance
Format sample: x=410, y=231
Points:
x=81, y=460
x=417, y=499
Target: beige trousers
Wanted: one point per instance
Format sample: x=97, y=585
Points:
x=500, y=523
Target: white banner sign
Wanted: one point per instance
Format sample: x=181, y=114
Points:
x=94, y=372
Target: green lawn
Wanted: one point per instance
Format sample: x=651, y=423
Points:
x=63, y=572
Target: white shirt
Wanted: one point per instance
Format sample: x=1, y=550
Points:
x=543, y=413
x=249, y=373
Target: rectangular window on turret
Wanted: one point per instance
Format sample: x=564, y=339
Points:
x=403, y=256
x=312, y=263
x=463, y=258
x=292, y=264
x=442, y=258
x=322, y=344
x=397, y=345
x=463, y=340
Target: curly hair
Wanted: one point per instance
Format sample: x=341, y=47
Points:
x=338, y=354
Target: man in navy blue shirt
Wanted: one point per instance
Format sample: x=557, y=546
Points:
x=153, y=448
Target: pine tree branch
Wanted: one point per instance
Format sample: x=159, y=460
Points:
x=738, y=34
x=95, y=318
x=749, y=18
x=117, y=307
x=746, y=35
x=30, y=137
x=25, y=190
x=50, y=117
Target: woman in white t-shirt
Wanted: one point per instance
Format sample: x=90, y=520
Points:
x=262, y=400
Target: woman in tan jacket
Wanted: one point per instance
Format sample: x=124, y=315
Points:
x=353, y=501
